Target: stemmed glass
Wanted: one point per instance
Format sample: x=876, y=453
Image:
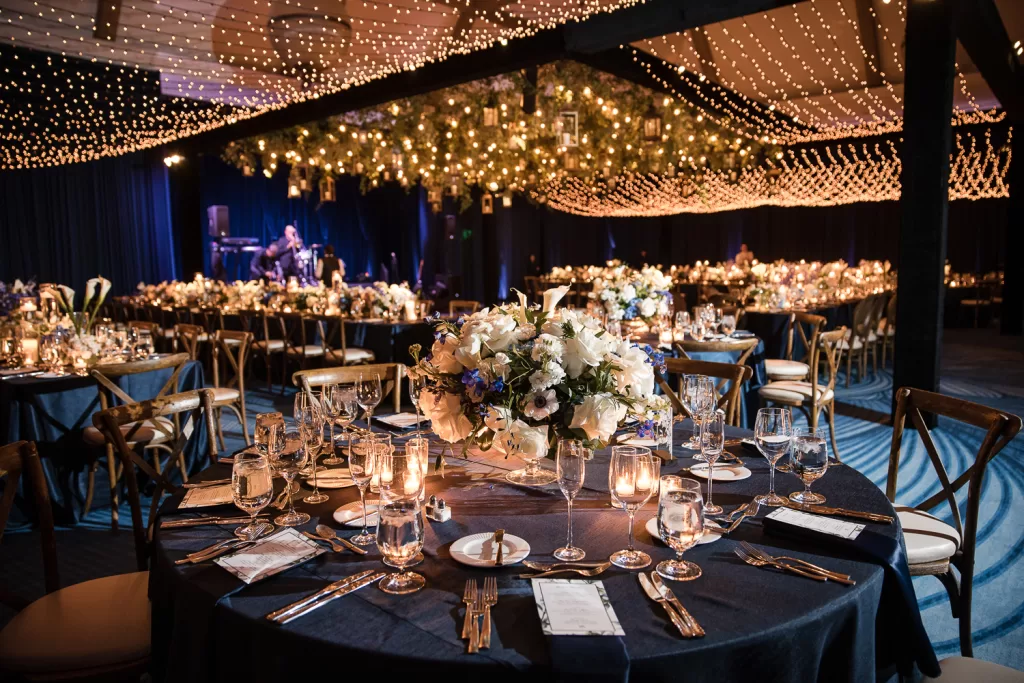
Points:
x=632, y=478
x=571, y=465
x=809, y=458
x=368, y=395
x=416, y=384
x=312, y=430
x=252, y=487
x=773, y=433
x=712, y=443
x=348, y=411
x=697, y=329
x=728, y=325
x=680, y=525
x=266, y=425
x=699, y=396
x=401, y=478
x=364, y=450
x=287, y=461
x=400, y=539
x=330, y=407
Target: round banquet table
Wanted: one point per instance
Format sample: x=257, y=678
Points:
x=389, y=339
x=760, y=623
x=53, y=411
x=770, y=326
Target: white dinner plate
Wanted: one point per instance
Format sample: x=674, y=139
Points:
x=351, y=514
x=479, y=550
x=723, y=471
x=652, y=529
x=337, y=478
x=634, y=440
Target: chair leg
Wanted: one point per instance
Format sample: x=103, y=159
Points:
x=266, y=359
x=863, y=363
x=874, y=360
x=830, y=410
x=90, y=487
x=284, y=371
x=243, y=419
x=849, y=363
x=219, y=415
x=112, y=475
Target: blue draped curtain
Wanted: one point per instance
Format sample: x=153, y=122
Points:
x=109, y=217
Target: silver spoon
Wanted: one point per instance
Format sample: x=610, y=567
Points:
x=328, y=533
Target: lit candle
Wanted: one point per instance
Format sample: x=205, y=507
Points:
x=410, y=310
x=28, y=305
x=624, y=487
x=386, y=476
x=30, y=351
x=412, y=481
x=643, y=479
x=666, y=336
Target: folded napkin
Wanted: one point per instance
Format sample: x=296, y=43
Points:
x=899, y=609
x=589, y=659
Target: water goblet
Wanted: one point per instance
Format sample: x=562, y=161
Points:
x=400, y=539
x=401, y=478
x=364, y=451
x=348, y=411
x=252, y=487
x=698, y=330
x=368, y=395
x=313, y=441
x=712, y=443
x=773, y=434
x=330, y=407
x=571, y=464
x=728, y=325
x=266, y=423
x=809, y=460
x=699, y=397
x=680, y=525
x=632, y=479
x=287, y=459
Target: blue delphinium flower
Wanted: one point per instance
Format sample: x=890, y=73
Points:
x=475, y=384
x=655, y=357
x=646, y=430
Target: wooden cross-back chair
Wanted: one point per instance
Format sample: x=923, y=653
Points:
x=192, y=409
x=147, y=325
x=807, y=327
x=298, y=332
x=391, y=375
x=810, y=396
x=268, y=340
x=333, y=327
x=459, y=306
x=94, y=630
x=934, y=547
x=154, y=434
x=729, y=386
x=745, y=347
x=189, y=338
x=860, y=338
x=887, y=329
x=230, y=392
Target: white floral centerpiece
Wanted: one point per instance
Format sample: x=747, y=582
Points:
x=385, y=299
x=516, y=378
x=628, y=294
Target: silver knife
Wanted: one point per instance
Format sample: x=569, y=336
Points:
x=277, y=614
x=667, y=593
x=200, y=521
x=204, y=484
x=351, y=587
x=653, y=594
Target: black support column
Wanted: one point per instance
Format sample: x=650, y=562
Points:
x=924, y=204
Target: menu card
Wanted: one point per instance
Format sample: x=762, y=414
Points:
x=826, y=525
x=399, y=420
x=206, y=496
x=575, y=608
x=271, y=555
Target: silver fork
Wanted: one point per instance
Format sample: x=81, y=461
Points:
x=490, y=599
x=468, y=596
x=835, y=576
x=758, y=562
x=582, y=572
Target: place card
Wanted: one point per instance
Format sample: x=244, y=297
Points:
x=575, y=608
x=399, y=420
x=206, y=496
x=825, y=525
x=271, y=555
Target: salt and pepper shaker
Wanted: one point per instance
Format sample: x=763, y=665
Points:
x=438, y=510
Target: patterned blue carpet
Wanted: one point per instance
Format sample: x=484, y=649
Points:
x=977, y=365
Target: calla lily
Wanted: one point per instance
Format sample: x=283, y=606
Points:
x=18, y=287
x=90, y=291
x=553, y=296
x=67, y=297
x=523, y=305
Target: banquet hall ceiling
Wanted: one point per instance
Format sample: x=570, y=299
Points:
x=835, y=65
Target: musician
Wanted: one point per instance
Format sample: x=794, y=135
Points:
x=289, y=247
x=329, y=265
x=264, y=264
x=744, y=257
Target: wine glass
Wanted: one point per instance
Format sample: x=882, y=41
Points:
x=809, y=459
x=348, y=411
x=252, y=487
x=368, y=395
x=716, y=318
x=313, y=441
x=266, y=424
x=682, y=321
x=287, y=461
x=728, y=325
x=330, y=407
x=614, y=328
x=698, y=329
x=699, y=397
x=680, y=525
x=144, y=345
x=304, y=402
x=571, y=465
x=400, y=539
x=364, y=450
x=773, y=433
x=416, y=384
x=632, y=479
x=712, y=443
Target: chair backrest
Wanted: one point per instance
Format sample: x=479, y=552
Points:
x=151, y=327
x=890, y=313
x=108, y=390
x=745, y=347
x=391, y=375
x=1000, y=428
x=801, y=323
x=235, y=347
x=862, y=314
x=199, y=408
x=462, y=306
x=294, y=331
x=829, y=347
x=188, y=336
x=730, y=385
x=17, y=459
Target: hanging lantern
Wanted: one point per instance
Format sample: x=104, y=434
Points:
x=303, y=175
x=247, y=169
x=571, y=160
x=506, y=199
x=652, y=124
x=434, y=196
x=359, y=168
x=327, y=193
x=453, y=183
x=397, y=159
x=487, y=203
x=567, y=129
x=491, y=112
x=294, y=189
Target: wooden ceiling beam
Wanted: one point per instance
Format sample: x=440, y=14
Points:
x=108, y=16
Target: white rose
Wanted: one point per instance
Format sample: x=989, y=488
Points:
x=443, y=355
x=530, y=442
x=502, y=333
x=629, y=292
x=444, y=411
x=582, y=352
x=648, y=307
x=598, y=416
x=494, y=367
x=468, y=352
x=540, y=404
x=633, y=374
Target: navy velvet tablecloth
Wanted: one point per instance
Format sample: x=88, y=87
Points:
x=770, y=326
x=761, y=625
x=389, y=341
x=53, y=413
